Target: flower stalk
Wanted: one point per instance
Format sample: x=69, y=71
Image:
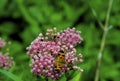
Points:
x=100, y=54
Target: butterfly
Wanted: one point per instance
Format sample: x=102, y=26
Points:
x=60, y=60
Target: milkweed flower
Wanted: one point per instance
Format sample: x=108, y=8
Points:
x=55, y=53
x=6, y=61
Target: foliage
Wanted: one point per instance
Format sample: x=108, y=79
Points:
x=22, y=20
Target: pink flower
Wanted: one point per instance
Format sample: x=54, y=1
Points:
x=6, y=61
x=70, y=37
x=45, y=53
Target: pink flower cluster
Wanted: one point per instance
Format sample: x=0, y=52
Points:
x=5, y=61
x=44, y=50
x=70, y=37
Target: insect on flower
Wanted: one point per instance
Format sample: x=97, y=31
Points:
x=55, y=38
x=60, y=60
x=54, y=53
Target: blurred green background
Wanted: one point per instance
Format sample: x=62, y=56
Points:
x=22, y=20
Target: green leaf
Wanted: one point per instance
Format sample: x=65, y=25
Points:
x=35, y=12
x=62, y=78
x=77, y=77
x=10, y=75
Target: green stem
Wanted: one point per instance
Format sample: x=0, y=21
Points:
x=95, y=15
x=103, y=41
